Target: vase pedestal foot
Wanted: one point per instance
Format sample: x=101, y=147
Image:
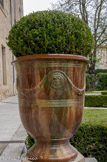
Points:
x=79, y=158
x=53, y=153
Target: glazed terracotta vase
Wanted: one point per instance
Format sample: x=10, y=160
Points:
x=51, y=100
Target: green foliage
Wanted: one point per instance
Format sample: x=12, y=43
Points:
x=100, y=71
x=104, y=92
x=88, y=81
x=91, y=141
x=29, y=142
x=101, y=81
x=96, y=100
x=87, y=92
x=95, y=117
x=91, y=138
x=46, y=32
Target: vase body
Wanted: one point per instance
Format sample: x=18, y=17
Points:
x=51, y=101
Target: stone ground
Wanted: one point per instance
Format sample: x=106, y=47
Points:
x=12, y=133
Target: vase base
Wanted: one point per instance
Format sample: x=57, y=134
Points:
x=52, y=152
x=79, y=158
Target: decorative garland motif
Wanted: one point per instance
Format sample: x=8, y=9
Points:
x=56, y=80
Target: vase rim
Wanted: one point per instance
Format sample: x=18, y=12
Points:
x=51, y=56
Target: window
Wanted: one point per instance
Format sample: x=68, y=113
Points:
x=2, y=3
x=4, y=71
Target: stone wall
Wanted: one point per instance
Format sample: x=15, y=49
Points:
x=7, y=18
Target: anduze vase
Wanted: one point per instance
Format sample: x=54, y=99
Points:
x=51, y=100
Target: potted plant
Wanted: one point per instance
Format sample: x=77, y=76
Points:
x=51, y=81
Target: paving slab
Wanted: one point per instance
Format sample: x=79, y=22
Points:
x=94, y=93
x=9, y=120
x=12, y=133
x=99, y=108
x=14, y=149
x=2, y=147
x=12, y=99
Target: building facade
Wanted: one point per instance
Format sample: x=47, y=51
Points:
x=10, y=12
x=102, y=57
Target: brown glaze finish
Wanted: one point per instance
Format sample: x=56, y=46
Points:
x=51, y=101
x=50, y=56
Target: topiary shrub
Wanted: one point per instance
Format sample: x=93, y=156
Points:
x=101, y=81
x=96, y=100
x=100, y=71
x=46, y=32
x=104, y=92
x=90, y=139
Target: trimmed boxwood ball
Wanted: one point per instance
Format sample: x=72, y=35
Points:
x=46, y=32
